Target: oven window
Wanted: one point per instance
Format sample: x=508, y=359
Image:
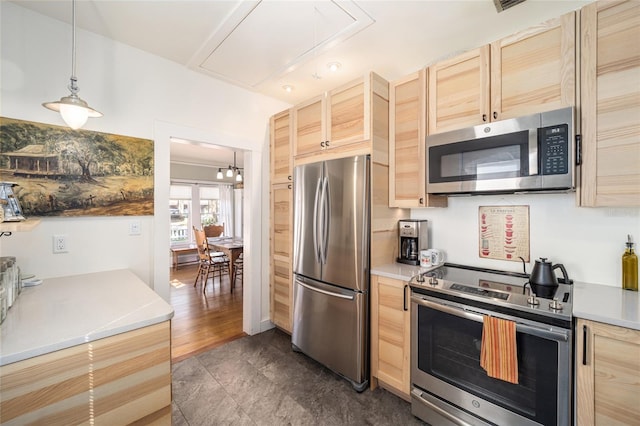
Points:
x=449, y=349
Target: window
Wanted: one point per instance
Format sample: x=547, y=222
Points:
x=184, y=197
x=209, y=205
x=180, y=208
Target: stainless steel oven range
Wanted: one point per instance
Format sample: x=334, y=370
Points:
x=449, y=387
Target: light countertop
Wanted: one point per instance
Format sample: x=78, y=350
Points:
x=602, y=303
x=399, y=271
x=68, y=311
x=607, y=304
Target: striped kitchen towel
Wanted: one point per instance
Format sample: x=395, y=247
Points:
x=498, y=353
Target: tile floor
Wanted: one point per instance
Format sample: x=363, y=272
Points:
x=259, y=380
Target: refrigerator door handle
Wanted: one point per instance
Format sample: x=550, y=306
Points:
x=326, y=216
x=328, y=293
x=316, y=246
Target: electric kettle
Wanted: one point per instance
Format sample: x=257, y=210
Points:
x=543, y=280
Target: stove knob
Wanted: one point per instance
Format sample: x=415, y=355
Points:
x=533, y=300
x=433, y=281
x=555, y=305
x=420, y=278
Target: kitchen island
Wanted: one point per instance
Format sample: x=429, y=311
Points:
x=91, y=348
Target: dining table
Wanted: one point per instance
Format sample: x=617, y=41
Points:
x=231, y=247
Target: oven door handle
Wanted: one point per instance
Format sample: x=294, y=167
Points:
x=545, y=333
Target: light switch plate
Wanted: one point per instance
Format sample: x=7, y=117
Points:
x=134, y=227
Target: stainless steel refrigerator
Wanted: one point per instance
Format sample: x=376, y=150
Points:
x=331, y=265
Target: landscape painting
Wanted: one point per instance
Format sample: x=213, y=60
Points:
x=64, y=172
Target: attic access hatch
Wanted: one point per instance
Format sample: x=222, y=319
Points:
x=294, y=33
x=505, y=4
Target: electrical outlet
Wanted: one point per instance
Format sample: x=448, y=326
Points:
x=60, y=244
x=134, y=227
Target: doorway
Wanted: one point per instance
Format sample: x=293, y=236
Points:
x=254, y=296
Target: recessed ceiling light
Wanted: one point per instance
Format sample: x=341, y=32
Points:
x=288, y=88
x=334, y=66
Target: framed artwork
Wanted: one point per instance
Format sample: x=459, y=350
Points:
x=64, y=172
x=504, y=232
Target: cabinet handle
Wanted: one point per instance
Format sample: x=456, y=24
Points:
x=404, y=297
x=495, y=115
x=326, y=144
x=289, y=177
x=421, y=200
x=578, y=150
x=584, y=345
x=322, y=144
x=484, y=117
x=289, y=186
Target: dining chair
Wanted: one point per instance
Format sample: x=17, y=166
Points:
x=237, y=271
x=210, y=263
x=213, y=230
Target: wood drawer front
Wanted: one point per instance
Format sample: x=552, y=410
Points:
x=282, y=297
x=116, y=380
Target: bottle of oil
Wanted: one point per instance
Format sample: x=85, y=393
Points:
x=629, y=267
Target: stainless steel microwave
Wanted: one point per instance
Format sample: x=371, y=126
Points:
x=532, y=153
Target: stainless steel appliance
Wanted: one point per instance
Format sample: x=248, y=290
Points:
x=331, y=265
x=533, y=153
x=412, y=235
x=449, y=387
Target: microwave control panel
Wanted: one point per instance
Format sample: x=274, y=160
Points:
x=554, y=150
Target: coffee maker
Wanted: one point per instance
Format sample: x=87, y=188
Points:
x=412, y=237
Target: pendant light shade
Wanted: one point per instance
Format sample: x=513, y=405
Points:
x=229, y=172
x=219, y=175
x=238, y=177
x=74, y=111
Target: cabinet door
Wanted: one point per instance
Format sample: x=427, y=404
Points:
x=390, y=333
x=407, y=166
x=459, y=91
x=281, y=274
x=608, y=374
x=406, y=146
x=348, y=114
x=281, y=158
x=535, y=69
x=610, y=95
x=309, y=126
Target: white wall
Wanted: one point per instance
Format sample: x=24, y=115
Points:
x=141, y=95
x=589, y=242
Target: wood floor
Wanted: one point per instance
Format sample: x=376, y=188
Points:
x=202, y=322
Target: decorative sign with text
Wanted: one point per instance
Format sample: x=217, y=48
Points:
x=504, y=232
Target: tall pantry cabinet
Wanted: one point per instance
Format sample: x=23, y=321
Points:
x=610, y=103
x=281, y=214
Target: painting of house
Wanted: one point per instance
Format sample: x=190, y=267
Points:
x=63, y=172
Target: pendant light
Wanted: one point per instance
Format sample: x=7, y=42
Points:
x=219, y=175
x=238, y=176
x=72, y=108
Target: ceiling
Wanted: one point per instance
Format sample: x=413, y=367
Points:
x=263, y=45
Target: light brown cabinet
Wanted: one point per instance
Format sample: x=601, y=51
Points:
x=339, y=121
x=407, y=128
x=121, y=379
x=610, y=103
x=531, y=71
x=608, y=374
x=281, y=277
x=390, y=335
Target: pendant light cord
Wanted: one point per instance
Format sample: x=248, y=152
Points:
x=73, y=87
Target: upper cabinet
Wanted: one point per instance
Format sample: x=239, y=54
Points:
x=339, y=120
x=281, y=135
x=531, y=71
x=610, y=103
x=407, y=128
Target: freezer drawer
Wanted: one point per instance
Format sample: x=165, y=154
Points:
x=330, y=326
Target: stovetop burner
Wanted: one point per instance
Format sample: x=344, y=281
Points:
x=494, y=290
